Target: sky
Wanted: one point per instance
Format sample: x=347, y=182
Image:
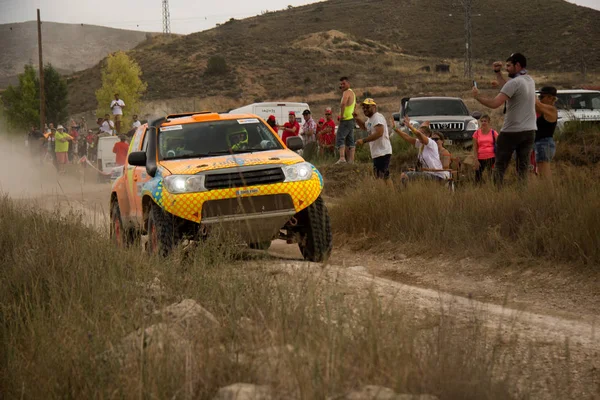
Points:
x=187, y=16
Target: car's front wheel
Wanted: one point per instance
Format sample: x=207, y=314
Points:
x=163, y=231
x=315, y=238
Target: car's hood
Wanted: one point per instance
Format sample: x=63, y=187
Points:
x=195, y=165
x=442, y=118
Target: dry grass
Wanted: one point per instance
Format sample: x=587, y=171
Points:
x=557, y=221
x=67, y=299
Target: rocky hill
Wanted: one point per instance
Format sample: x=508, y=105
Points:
x=305, y=49
x=69, y=47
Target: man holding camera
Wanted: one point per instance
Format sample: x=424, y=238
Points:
x=518, y=132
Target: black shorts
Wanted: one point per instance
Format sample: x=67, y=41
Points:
x=381, y=166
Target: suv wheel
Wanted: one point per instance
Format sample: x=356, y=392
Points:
x=315, y=232
x=118, y=233
x=163, y=232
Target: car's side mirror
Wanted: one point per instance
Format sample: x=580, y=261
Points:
x=294, y=143
x=396, y=117
x=476, y=114
x=137, y=158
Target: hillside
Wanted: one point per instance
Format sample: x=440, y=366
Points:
x=69, y=47
x=304, y=50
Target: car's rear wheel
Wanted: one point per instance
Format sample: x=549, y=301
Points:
x=315, y=238
x=118, y=233
x=163, y=232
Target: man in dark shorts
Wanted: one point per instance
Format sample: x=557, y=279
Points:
x=345, y=133
x=518, y=131
x=378, y=139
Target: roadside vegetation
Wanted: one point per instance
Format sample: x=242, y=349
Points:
x=81, y=319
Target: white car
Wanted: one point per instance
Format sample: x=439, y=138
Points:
x=578, y=105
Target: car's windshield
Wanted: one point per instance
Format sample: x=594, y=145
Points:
x=417, y=108
x=578, y=101
x=205, y=139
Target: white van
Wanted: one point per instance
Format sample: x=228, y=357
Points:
x=577, y=105
x=280, y=110
x=107, y=160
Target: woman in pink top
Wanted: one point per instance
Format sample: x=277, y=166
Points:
x=484, y=143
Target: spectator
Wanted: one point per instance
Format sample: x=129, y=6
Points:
x=428, y=161
x=378, y=139
x=272, y=123
x=92, y=145
x=107, y=126
x=445, y=156
x=327, y=134
x=345, y=133
x=51, y=143
x=83, y=126
x=545, y=148
x=61, y=148
x=134, y=125
x=484, y=147
x=518, y=131
x=120, y=149
x=117, y=106
x=290, y=128
x=309, y=134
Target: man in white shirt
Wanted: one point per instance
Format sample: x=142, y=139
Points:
x=378, y=139
x=117, y=106
x=134, y=125
x=430, y=165
x=107, y=126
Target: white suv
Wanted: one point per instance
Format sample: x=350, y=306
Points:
x=577, y=105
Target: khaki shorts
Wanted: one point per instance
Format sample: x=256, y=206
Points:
x=117, y=117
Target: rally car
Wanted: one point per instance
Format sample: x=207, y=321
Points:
x=188, y=174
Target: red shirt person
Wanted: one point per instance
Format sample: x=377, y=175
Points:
x=290, y=128
x=120, y=149
x=327, y=132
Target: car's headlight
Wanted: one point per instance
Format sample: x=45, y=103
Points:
x=297, y=172
x=185, y=183
x=473, y=125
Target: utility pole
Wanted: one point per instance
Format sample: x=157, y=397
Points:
x=166, y=17
x=42, y=93
x=467, y=5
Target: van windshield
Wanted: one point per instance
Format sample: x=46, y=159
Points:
x=578, y=101
x=206, y=139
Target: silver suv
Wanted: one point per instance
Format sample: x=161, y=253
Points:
x=577, y=106
x=448, y=115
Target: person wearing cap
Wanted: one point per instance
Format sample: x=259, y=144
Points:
x=345, y=133
x=290, y=128
x=544, y=146
x=120, y=149
x=272, y=123
x=61, y=147
x=378, y=139
x=518, y=132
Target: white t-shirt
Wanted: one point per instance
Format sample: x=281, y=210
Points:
x=136, y=124
x=430, y=158
x=117, y=104
x=381, y=146
x=107, y=126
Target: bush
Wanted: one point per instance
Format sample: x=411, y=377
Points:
x=216, y=65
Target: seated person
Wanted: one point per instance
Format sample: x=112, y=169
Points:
x=238, y=140
x=445, y=155
x=429, y=163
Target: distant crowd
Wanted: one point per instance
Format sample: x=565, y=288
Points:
x=62, y=146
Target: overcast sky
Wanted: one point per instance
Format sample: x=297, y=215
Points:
x=146, y=15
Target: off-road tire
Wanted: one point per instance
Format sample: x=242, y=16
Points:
x=120, y=235
x=315, y=239
x=260, y=245
x=163, y=232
